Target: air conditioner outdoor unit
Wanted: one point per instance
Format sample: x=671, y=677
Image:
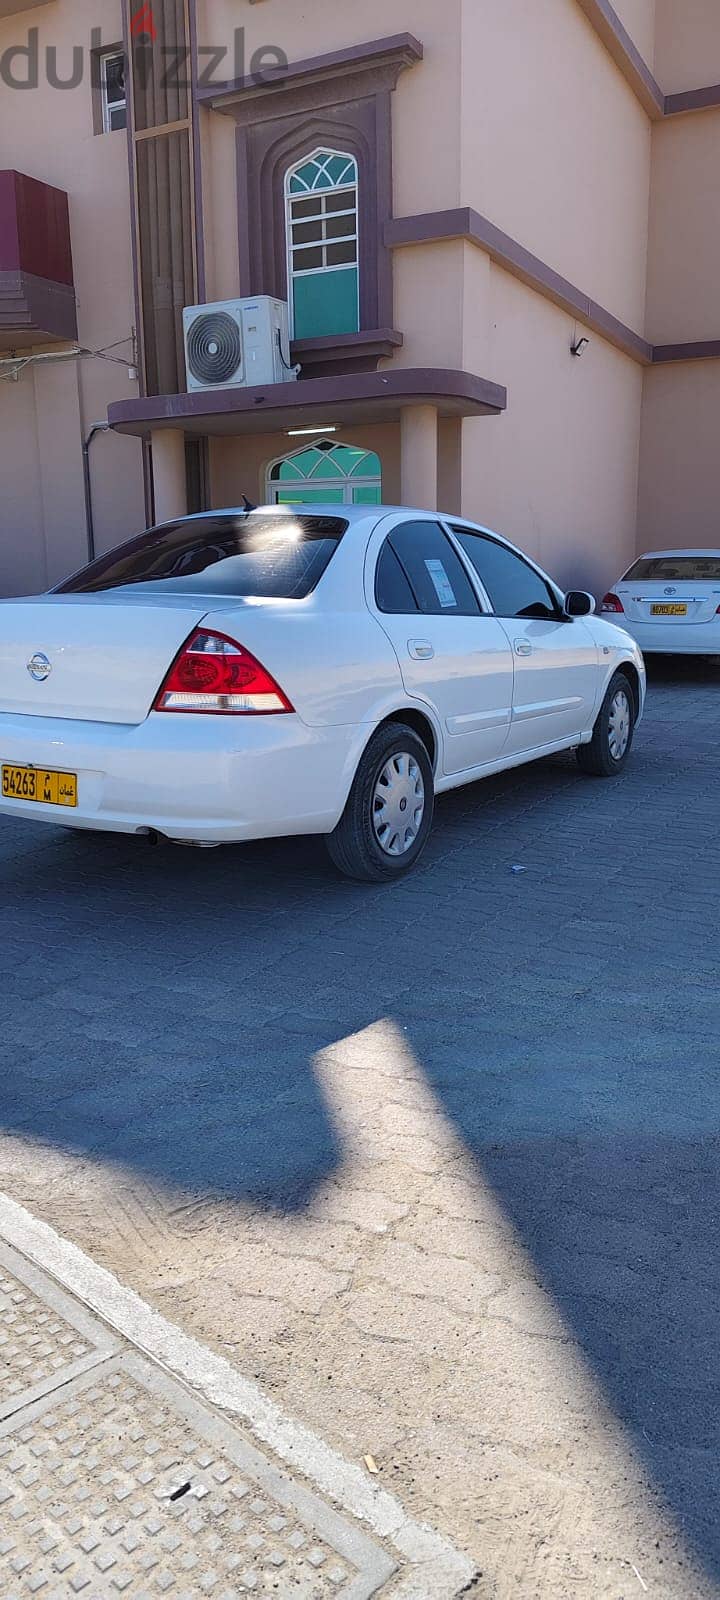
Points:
x=237, y=344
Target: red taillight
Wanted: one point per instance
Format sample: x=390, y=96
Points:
x=612, y=602
x=216, y=674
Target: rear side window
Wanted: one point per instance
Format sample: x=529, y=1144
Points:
x=279, y=557
x=393, y=593
x=426, y=574
x=684, y=569
x=515, y=589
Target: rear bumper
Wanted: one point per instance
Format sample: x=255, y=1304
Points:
x=676, y=639
x=190, y=777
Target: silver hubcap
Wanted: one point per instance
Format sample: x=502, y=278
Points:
x=619, y=725
x=398, y=804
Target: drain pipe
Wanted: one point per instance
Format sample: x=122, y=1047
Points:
x=97, y=427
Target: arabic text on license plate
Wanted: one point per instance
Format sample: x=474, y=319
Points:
x=668, y=611
x=37, y=783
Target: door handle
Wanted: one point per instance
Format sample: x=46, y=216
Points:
x=523, y=647
x=420, y=649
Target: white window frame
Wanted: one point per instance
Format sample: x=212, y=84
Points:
x=318, y=217
x=117, y=105
x=273, y=486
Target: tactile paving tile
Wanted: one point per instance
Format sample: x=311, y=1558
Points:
x=87, y=1479
x=45, y=1337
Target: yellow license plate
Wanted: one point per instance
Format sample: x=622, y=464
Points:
x=668, y=611
x=36, y=783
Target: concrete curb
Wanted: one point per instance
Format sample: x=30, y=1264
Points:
x=433, y=1568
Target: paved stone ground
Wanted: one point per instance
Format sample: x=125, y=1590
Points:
x=438, y=1165
x=115, y=1480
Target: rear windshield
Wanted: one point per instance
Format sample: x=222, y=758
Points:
x=278, y=557
x=686, y=569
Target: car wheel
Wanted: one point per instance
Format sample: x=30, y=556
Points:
x=612, y=738
x=386, y=822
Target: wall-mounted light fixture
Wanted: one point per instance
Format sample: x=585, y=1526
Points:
x=302, y=433
x=579, y=347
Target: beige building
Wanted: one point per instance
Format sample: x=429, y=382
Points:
x=451, y=198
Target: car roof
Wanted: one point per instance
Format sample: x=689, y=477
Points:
x=311, y=509
x=655, y=555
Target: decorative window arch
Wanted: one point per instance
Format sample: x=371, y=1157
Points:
x=321, y=220
x=325, y=473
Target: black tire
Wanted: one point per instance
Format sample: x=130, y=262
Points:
x=597, y=757
x=354, y=846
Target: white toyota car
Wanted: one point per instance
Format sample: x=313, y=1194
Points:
x=314, y=670
x=670, y=602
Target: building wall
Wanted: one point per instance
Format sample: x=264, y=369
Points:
x=426, y=148
x=680, y=461
x=558, y=472
x=687, y=44
x=679, y=488
x=48, y=134
x=640, y=19
x=684, y=254
x=239, y=466
x=555, y=147
x=517, y=110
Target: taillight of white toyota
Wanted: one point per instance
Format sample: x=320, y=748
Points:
x=308, y=670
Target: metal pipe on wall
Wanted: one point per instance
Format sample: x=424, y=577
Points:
x=97, y=427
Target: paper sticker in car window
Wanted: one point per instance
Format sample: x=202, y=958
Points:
x=441, y=583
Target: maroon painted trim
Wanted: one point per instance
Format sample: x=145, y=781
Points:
x=606, y=22
x=33, y=309
x=401, y=49
x=464, y=223
x=604, y=19
x=264, y=152
x=197, y=159
x=358, y=352
x=361, y=396
x=699, y=350
x=693, y=100
x=34, y=229
x=124, y=8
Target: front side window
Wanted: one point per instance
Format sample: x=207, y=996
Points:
x=426, y=576
x=321, y=206
x=515, y=589
x=279, y=557
x=112, y=91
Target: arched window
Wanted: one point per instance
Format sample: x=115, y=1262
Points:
x=326, y=474
x=321, y=201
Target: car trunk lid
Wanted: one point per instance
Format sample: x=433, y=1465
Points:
x=96, y=658
x=680, y=602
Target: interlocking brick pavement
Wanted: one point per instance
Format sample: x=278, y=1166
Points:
x=46, y=1339
x=119, y=1482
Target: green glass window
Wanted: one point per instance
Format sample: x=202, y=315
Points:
x=321, y=200
x=326, y=474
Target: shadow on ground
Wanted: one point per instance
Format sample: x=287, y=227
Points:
x=162, y=1010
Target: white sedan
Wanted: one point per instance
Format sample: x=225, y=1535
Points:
x=252, y=674
x=670, y=602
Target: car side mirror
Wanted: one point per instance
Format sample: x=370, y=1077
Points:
x=578, y=603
